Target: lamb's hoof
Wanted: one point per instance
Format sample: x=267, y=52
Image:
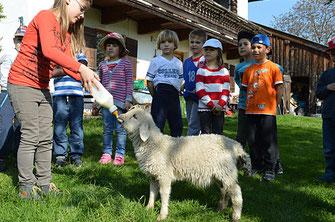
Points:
x=161, y=217
x=236, y=219
x=149, y=207
x=222, y=206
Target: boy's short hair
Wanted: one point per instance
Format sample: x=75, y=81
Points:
x=245, y=35
x=200, y=33
x=168, y=35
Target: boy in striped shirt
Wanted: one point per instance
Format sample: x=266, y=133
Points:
x=68, y=108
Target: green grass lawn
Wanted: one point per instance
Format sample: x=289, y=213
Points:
x=107, y=193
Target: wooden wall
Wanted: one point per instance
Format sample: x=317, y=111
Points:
x=301, y=59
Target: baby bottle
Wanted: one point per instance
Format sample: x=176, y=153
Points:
x=104, y=98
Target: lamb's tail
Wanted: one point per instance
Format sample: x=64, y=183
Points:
x=243, y=159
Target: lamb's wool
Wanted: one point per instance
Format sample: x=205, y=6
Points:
x=200, y=159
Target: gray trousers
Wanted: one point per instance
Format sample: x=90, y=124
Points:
x=33, y=109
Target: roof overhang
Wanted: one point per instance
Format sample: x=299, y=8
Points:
x=153, y=15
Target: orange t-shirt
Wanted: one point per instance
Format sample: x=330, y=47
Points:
x=260, y=80
x=40, y=51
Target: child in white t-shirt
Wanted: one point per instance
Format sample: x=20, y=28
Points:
x=165, y=75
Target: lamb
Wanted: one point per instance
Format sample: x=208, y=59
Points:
x=199, y=159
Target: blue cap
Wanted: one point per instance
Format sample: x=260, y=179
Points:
x=81, y=57
x=261, y=39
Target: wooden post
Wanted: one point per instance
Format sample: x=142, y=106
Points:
x=233, y=6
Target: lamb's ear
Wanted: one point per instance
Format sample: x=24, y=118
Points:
x=144, y=131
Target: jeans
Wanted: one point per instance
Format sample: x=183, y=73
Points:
x=166, y=106
x=211, y=123
x=68, y=110
x=192, y=116
x=328, y=129
x=34, y=111
x=9, y=129
x=111, y=124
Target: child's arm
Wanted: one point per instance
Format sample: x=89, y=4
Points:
x=280, y=92
x=226, y=89
x=151, y=87
x=323, y=89
x=278, y=83
x=129, y=84
x=237, y=77
x=201, y=91
x=150, y=76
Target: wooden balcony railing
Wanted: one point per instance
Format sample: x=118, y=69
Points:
x=219, y=21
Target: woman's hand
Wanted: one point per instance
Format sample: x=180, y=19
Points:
x=88, y=77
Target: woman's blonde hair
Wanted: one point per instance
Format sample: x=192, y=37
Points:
x=76, y=30
x=168, y=35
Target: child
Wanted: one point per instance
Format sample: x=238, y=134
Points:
x=212, y=88
x=51, y=39
x=244, y=50
x=68, y=108
x=9, y=129
x=117, y=77
x=164, y=78
x=326, y=91
x=263, y=81
x=196, y=39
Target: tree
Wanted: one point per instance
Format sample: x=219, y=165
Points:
x=310, y=19
x=1, y=12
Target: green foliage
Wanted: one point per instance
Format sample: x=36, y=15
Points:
x=2, y=16
x=95, y=193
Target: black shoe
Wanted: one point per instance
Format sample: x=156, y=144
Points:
x=77, y=162
x=269, y=175
x=327, y=179
x=279, y=168
x=2, y=165
x=60, y=161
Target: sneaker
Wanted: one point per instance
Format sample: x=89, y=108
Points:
x=29, y=192
x=279, y=168
x=269, y=175
x=118, y=160
x=77, y=162
x=2, y=165
x=105, y=158
x=49, y=189
x=60, y=161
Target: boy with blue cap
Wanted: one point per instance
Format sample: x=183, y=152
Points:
x=326, y=92
x=263, y=82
